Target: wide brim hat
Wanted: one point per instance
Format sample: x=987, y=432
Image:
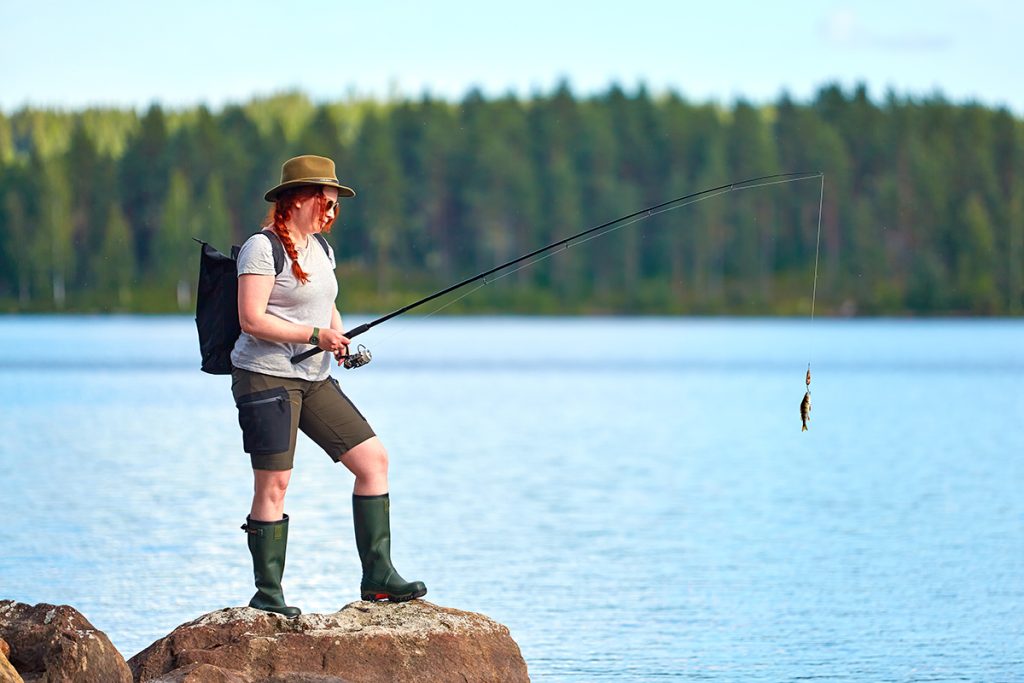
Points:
x=308, y=169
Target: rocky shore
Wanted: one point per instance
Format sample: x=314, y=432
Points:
x=363, y=641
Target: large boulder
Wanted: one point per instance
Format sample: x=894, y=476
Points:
x=364, y=641
x=7, y=672
x=56, y=643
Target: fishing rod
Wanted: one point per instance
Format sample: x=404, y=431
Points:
x=362, y=357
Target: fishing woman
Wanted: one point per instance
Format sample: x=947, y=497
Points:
x=281, y=314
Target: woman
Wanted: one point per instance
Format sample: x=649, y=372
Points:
x=280, y=314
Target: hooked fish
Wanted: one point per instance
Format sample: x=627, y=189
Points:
x=805, y=405
x=805, y=410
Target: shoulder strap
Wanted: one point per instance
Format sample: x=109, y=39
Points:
x=323, y=243
x=277, y=248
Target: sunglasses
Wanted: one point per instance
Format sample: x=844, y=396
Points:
x=332, y=204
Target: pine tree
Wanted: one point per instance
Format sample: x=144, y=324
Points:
x=712, y=232
x=92, y=192
x=249, y=165
x=215, y=217
x=52, y=240
x=143, y=175
x=195, y=149
x=16, y=238
x=377, y=213
x=554, y=128
x=173, y=248
x=1015, y=252
x=431, y=204
x=6, y=140
x=749, y=154
x=114, y=263
x=500, y=197
x=604, y=197
x=976, y=260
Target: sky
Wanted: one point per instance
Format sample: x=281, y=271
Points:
x=73, y=55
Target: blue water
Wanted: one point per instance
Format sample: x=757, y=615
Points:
x=633, y=498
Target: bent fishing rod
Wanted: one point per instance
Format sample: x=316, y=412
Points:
x=362, y=357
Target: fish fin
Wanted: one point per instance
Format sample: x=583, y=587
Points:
x=803, y=428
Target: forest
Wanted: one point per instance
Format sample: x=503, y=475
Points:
x=922, y=211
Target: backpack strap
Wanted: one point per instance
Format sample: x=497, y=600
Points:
x=278, y=248
x=323, y=243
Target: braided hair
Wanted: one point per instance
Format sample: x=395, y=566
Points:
x=281, y=211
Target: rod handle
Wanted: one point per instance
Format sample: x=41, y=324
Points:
x=354, y=332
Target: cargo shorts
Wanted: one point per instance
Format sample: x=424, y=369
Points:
x=271, y=410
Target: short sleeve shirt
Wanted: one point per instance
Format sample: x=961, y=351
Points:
x=310, y=304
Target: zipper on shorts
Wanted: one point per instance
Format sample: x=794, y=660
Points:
x=263, y=400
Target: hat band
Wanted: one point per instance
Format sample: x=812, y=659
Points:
x=313, y=180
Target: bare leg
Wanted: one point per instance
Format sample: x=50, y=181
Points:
x=268, y=497
x=369, y=462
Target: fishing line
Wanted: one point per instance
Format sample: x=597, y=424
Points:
x=805, y=405
x=644, y=215
x=817, y=245
x=604, y=228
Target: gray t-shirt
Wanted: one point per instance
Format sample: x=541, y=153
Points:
x=306, y=304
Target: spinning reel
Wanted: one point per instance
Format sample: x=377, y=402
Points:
x=361, y=357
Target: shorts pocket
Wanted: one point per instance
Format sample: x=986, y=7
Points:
x=266, y=419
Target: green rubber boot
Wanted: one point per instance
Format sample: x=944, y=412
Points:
x=268, y=543
x=371, y=516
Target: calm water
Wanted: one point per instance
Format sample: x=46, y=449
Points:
x=632, y=497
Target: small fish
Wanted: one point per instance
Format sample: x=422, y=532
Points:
x=805, y=410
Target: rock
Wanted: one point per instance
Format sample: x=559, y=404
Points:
x=364, y=641
x=202, y=673
x=7, y=672
x=56, y=643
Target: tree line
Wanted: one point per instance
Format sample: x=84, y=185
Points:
x=922, y=210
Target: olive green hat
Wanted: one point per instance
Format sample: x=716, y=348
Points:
x=308, y=170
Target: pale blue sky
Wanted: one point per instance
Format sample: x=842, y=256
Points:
x=182, y=52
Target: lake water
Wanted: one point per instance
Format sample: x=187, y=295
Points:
x=632, y=497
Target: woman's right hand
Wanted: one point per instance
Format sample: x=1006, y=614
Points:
x=333, y=341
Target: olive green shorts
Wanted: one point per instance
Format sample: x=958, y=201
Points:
x=271, y=410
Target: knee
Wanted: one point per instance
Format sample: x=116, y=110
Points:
x=273, y=488
x=368, y=459
x=377, y=462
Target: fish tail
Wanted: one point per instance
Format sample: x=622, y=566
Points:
x=803, y=428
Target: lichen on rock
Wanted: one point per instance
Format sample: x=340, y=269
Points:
x=56, y=643
x=361, y=642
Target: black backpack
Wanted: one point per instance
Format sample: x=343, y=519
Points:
x=217, y=301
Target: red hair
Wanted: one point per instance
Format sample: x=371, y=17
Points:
x=281, y=211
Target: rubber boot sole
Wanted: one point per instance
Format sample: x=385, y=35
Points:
x=284, y=611
x=392, y=597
